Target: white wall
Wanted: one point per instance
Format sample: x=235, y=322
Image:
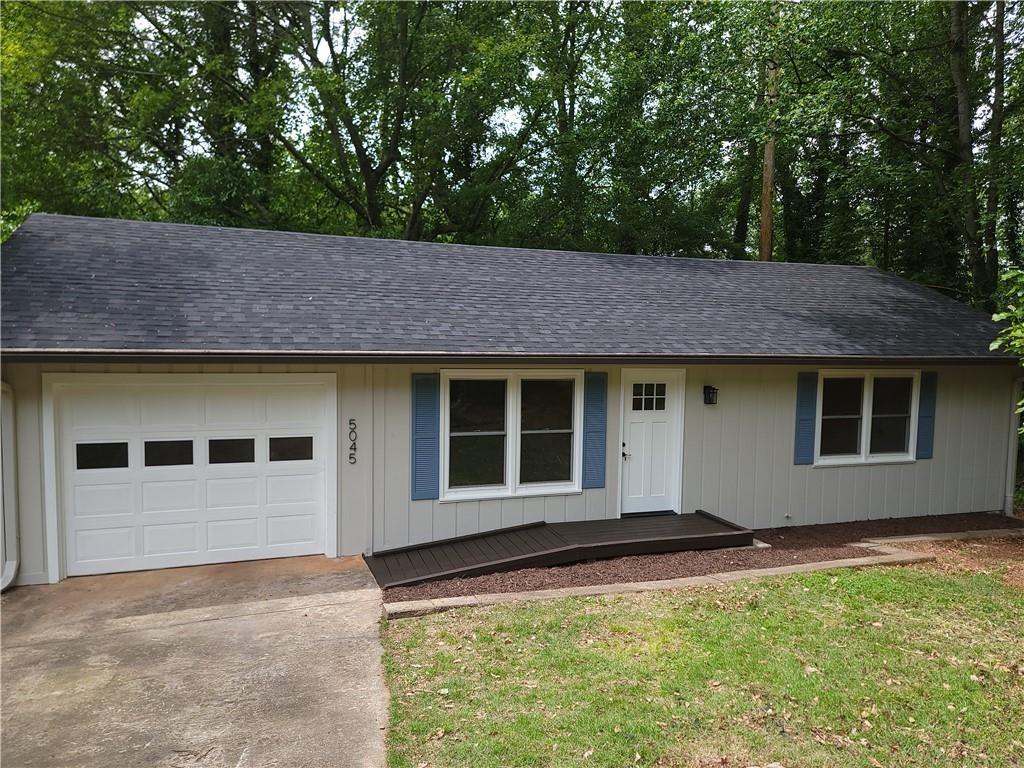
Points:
x=737, y=457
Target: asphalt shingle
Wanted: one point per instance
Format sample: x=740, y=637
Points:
x=73, y=283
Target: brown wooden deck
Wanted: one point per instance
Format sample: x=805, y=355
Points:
x=541, y=545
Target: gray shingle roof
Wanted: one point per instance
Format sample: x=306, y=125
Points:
x=81, y=284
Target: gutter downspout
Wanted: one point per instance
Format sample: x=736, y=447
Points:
x=1012, y=448
x=9, y=490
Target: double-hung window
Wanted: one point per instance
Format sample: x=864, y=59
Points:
x=477, y=433
x=546, y=430
x=866, y=417
x=510, y=433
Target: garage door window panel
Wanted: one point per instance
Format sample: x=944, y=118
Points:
x=167, y=453
x=298, y=448
x=101, y=455
x=232, y=450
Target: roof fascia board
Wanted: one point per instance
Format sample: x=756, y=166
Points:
x=215, y=356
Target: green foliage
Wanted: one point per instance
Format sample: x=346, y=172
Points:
x=585, y=125
x=11, y=218
x=1011, y=339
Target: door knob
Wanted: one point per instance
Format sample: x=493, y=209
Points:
x=626, y=456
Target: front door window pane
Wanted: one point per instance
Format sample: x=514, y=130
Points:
x=649, y=397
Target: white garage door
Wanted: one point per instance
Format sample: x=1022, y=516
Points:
x=160, y=471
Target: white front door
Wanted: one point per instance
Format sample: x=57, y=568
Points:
x=163, y=471
x=651, y=439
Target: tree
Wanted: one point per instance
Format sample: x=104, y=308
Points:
x=1011, y=315
x=895, y=128
x=959, y=57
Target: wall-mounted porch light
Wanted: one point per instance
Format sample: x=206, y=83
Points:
x=710, y=395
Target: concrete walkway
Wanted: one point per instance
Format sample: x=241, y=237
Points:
x=272, y=663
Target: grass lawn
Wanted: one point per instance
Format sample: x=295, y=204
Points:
x=880, y=667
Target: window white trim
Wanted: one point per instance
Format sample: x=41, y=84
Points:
x=865, y=457
x=512, y=486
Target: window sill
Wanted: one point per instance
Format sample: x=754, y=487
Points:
x=869, y=462
x=525, y=492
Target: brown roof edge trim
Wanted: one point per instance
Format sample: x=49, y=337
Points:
x=154, y=356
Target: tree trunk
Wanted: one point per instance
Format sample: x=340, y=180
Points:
x=569, y=185
x=995, y=141
x=739, y=233
x=982, y=288
x=261, y=62
x=217, y=19
x=794, y=209
x=1013, y=218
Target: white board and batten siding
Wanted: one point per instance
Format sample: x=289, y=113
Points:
x=398, y=521
x=738, y=454
x=736, y=460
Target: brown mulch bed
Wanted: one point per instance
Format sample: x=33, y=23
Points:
x=799, y=544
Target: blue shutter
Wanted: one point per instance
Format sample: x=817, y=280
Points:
x=595, y=428
x=926, y=415
x=806, y=415
x=426, y=435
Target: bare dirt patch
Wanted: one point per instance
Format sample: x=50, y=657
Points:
x=1003, y=556
x=790, y=546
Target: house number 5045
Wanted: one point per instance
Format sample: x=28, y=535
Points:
x=352, y=437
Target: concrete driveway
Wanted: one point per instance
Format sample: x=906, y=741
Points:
x=272, y=663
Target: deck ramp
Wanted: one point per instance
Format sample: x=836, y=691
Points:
x=541, y=545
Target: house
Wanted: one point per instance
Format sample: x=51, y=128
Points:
x=186, y=394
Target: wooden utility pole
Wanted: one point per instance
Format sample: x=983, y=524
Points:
x=768, y=170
